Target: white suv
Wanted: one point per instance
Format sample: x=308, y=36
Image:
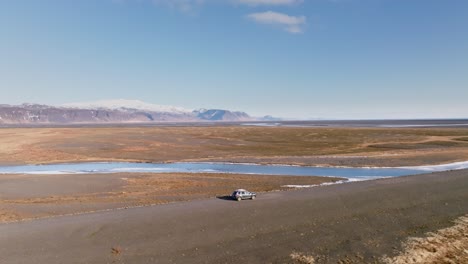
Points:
x=241, y=194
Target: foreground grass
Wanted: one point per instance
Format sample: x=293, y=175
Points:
x=448, y=245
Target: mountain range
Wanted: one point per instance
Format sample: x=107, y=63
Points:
x=113, y=111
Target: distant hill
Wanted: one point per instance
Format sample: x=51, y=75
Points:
x=221, y=115
x=112, y=111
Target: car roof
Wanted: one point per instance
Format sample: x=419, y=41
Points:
x=240, y=190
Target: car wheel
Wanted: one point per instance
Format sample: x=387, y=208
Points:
x=239, y=199
x=253, y=197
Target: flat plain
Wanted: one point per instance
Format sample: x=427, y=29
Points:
x=285, y=145
x=351, y=223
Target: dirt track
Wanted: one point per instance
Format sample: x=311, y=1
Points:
x=355, y=222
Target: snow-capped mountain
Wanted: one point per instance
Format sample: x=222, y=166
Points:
x=220, y=115
x=123, y=104
x=111, y=111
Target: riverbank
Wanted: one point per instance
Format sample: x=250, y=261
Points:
x=354, y=223
x=38, y=196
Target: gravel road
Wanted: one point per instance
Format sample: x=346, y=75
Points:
x=355, y=222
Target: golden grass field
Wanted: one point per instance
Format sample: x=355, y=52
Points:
x=300, y=146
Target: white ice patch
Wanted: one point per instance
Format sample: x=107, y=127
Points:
x=442, y=167
x=423, y=125
x=210, y=170
x=316, y=185
x=262, y=124
x=47, y=172
x=300, y=186
x=143, y=170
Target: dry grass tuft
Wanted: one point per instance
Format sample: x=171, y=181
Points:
x=116, y=250
x=448, y=245
x=301, y=258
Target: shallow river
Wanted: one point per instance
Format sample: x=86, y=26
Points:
x=119, y=167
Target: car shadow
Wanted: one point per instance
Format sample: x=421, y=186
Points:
x=226, y=198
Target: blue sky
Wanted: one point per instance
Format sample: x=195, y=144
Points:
x=288, y=58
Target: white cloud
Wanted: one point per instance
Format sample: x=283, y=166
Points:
x=292, y=24
x=269, y=2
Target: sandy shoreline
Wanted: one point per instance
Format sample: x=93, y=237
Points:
x=354, y=222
